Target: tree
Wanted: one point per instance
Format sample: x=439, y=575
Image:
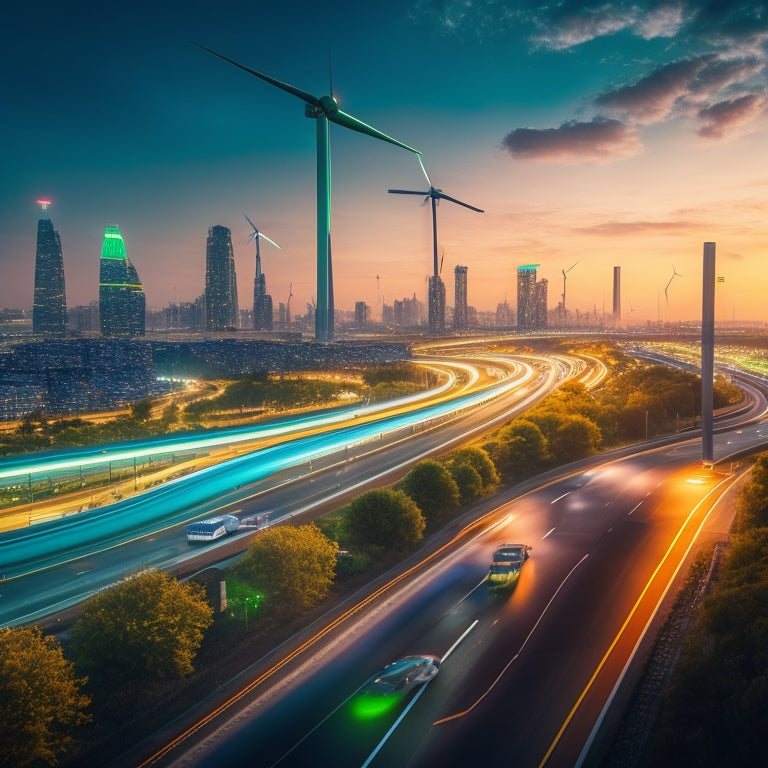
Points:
x=521, y=448
x=292, y=568
x=384, y=519
x=150, y=625
x=40, y=698
x=431, y=486
x=141, y=410
x=477, y=459
x=576, y=437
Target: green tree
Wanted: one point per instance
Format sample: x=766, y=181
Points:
x=521, y=449
x=141, y=410
x=753, y=500
x=40, y=698
x=149, y=625
x=384, y=519
x=576, y=437
x=479, y=460
x=431, y=486
x=292, y=568
x=467, y=480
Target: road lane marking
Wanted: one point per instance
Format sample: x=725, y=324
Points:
x=635, y=507
x=415, y=699
x=551, y=530
x=562, y=496
x=623, y=627
x=519, y=650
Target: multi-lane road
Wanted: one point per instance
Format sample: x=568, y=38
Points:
x=51, y=566
x=526, y=680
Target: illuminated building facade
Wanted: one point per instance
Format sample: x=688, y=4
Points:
x=221, y=312
x=49, y=309
x=460, y=316
x=263, y=315
x=531, y=300
x=122, y=304
x=436, y=301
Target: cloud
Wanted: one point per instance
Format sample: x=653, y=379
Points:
x=565, y=25
x=721, y=118
x=653, y=97
x=602, y=140
x=620, y=228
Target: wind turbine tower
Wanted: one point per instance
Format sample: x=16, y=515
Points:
x=323, y=110
x=565, y=272
x=262, y=301
x=436, y=290
x=616, y=294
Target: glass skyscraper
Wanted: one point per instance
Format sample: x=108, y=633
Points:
x=221, y=312
x=49, y=309
x=122, y=304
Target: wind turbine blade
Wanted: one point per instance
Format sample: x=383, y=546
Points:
x=458, y=202
x=406, y=192
x=250, y=222
x=270, y=240
x=303, y=95
x=343, y=119
x=423, y=170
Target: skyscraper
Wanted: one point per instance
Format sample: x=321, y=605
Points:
x=436, y=304
x=460, y=317
x=220, y=282
x=262, y=304
x=617, y=293
x=122, y=304
x=526, y=297
x=49, y=309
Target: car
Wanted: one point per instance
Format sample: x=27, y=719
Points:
x=393, y=683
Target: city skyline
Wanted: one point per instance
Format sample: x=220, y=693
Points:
x=617, y=134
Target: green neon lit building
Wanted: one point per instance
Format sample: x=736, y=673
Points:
x=122, y=304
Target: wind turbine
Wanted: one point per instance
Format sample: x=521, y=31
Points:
x=436, y=317
x=565, y=272
x=323, y=109
x=288, y=305
x=262, y=302
x=675, y=274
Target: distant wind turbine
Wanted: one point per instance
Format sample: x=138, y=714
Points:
x=565, y=272
x=256, y=235
x=323, y=109
x=675, y=274
x=262, y=302
x=435, y=323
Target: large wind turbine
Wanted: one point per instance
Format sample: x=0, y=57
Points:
x=262, y=303
x=323, y=109
x=436, y=316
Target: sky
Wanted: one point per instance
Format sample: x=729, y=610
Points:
x=592, y=134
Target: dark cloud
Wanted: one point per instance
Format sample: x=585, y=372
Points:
x=652, y=98
x=721, y=118
x=602, y=140
x=721, y=73
x=743, y=22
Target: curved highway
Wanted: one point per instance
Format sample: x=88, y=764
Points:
x=526, y=680
x=53, y=565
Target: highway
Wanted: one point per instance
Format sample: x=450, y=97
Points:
x=51, y=566
x=526, y=680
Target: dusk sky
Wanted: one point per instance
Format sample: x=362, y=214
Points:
x=593, y=134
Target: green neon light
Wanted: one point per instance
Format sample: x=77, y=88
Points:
x=139, y=287
x=527, y=267
x=368, y=706
x=113, y=246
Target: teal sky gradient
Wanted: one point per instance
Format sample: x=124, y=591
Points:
x=608, y=133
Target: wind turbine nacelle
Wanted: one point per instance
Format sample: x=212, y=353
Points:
x=326, y=106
